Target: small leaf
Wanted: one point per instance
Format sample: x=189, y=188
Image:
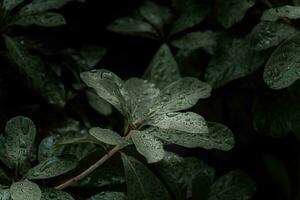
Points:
x=230, y=12
x=11, y=4
x=234, y=185
x=156, y=14
x=19, y=138
x=47, y=19
x=141, y=182
x=282, y=68
x=269, y=34
x=188, y=122
x=182, y=94
x=296, y=2
x=109, y=196
x=4, y=194
x=107, y=136
x=273, y=14
x=190, y=12
x=99, y=104
x=132, y=26
x=51, y=194
x=196, y=40
x=52, y=167
x=163, y=68
x=107, y=86
x=25, y=190
x=147, y=145
x=92, y=54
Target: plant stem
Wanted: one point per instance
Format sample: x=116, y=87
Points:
x=85, y=173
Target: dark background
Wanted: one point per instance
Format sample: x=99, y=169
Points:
x=128, y=56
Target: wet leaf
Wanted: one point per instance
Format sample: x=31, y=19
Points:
x=51, y=194
x=273, y=14
x=11, y=4
x=25, y=190
x=99, y=104
x=47, y=19
x=109, y=196
x=107, y=136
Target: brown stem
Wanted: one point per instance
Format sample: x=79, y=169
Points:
x=93, y=167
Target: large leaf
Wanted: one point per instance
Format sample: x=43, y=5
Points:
x=47, y=19
x=230, y=12
x=52, y=167
x=142, y=97
x=233, y=186
x=188, y=122
x=163, y=68
x=147, y=145
x=191, y=13
x=196, y=40
x=268, y=34
x=273, y=14
x=182, y=94
x=107, y=136
x=51, y=194
x=233, y=59
x=282, y=68
x=99, y=104
x=132, y=26
x=11, y=4
x=107, y=86
x=141, y=182
x=19, y=138
x=109, y=196
x=25, y=190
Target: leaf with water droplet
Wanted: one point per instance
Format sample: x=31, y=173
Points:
x=234, y=185
x=108, y=136
x=25, y=190
x=52, y=167
x=283, y=67
x=4, y=194
x=190, y=14
x=10, y=4
x=233, y=59
x=268, y=34
x=51, y=194
x=19, y=138
x=147, y=145
x=99, y=104
x=47, y=19
x=109, y=196
x=287, y=11
x=187, y=122
x=182, y=94
x=230, y=12
x=132, y=26
x=108, y=86
x=141, y=182
x=163, y=68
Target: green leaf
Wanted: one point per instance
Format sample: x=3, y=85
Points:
x=147, y=145
x=51, y=194
x=196, y=40
x=230, y=12
x=163, y=68
x=233, y=59
x=282, y=68
x=233, y=186
x=156, y=14
x=109, y=196
x=99, y=104
x=52, y=167
x=11, y=4
x=132, y=26
x=142, y=98
x=25, y=190
x=4, y=194
x=92, y=54
x=191, y=13
x=107, y=136
x=296, y=2
x=188, y=122
x=19, y=138
x=182, y=94
x=141, y=182
x=269, y=34
x=47, y=19
x=39, y=6
x=273, y=14
x=107, y=86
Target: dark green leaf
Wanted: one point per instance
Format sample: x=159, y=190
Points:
x=99, y=104
x=47, y=19
x=273, y=14
x=108, y=136
x=10, y=4
x=92, y=54
x=109, y=196
x=51, y=194
x=25, y=190
x=141, y=182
